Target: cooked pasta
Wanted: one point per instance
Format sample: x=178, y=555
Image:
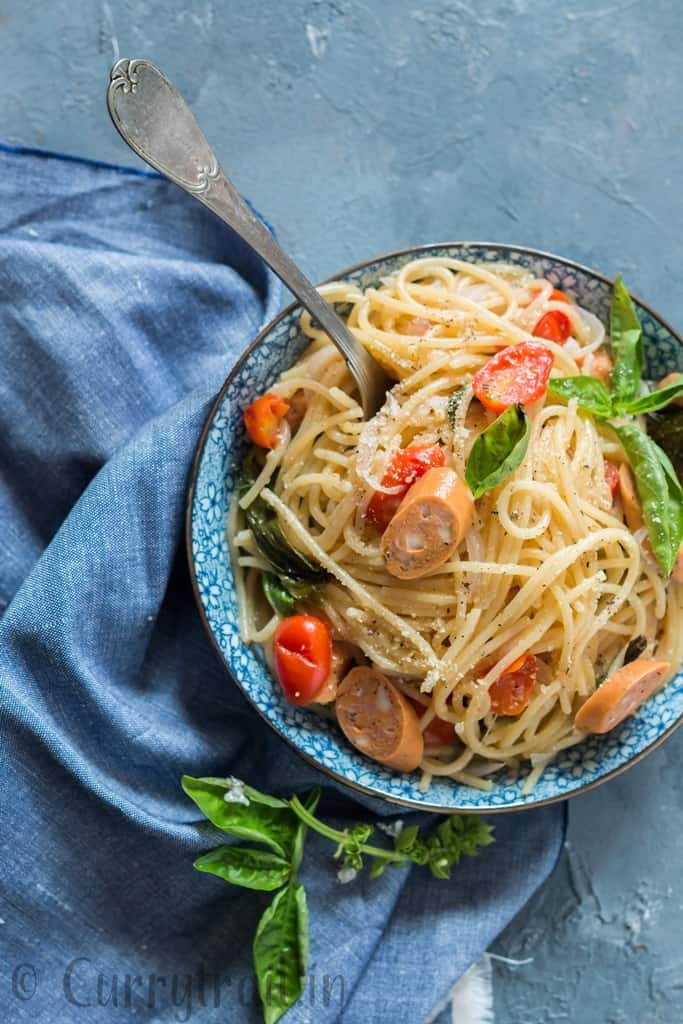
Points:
x=549, y=569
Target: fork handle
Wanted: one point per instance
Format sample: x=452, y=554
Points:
x=153, y=119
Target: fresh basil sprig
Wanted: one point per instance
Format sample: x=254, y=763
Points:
x=280, y=948
x=497, y=451
x=660, y=493
x=626, y=335
x=658, y=487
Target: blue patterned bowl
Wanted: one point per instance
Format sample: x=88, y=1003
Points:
x=219, y=454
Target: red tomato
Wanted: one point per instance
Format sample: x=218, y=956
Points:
x=406, y=466
x=263, y=419
x=553, y=326
x=514, y=376
x=511, y=692
x=438, y=732
x=303, y=657
x=611, y=477
x=555, y=296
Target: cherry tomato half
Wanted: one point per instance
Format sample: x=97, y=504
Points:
x=612, y=477
x=303, y=657
x=555, y=296
x=553, y=326
x=516, y=375
x=511, y=692
x=263, y=419
x=406, y=466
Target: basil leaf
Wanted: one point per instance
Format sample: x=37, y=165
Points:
x=265, y=819
x=284, y=593
x=626, y=335
x=281, y=952
x=655, y=400
x=378, y=867
x=659, y=492
x=590, y=393
x=498, y=451
x=279, y=599
x=252, y=869
x=666, y=430
x=406, y=839
x=452, y=407
x=310, y=803
x=274, y=546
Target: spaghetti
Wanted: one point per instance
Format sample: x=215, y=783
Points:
x=549, y=568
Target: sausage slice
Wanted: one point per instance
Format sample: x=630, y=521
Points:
x=430, y=522
x=671, y=378
x=629, y=499
x=342, y=655
x=620, y=695
x=378, y=720
x=601, y=367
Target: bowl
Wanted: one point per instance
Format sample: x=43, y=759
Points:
x=219, y=454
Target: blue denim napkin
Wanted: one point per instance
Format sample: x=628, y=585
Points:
x=122, y=307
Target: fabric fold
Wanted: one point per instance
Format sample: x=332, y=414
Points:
x=122, y=307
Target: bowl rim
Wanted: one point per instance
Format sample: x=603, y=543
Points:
x=418, y=250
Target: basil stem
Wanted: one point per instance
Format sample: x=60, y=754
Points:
x=310, y=805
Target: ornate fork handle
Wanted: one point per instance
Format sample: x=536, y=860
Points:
x=152, y=117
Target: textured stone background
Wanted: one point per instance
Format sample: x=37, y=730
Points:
x=358, y=127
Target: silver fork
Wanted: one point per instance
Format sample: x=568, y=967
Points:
x=152, y=117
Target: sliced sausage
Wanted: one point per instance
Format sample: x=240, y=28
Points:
x=342, y=656
x=378, y=720
x=620, y=695
x=601, y=367
x=672, y=378
x=478, y=417
x=629, y=499
x=430, y=522
x=298, y=403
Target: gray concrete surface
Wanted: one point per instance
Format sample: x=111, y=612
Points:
x=358, y=127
